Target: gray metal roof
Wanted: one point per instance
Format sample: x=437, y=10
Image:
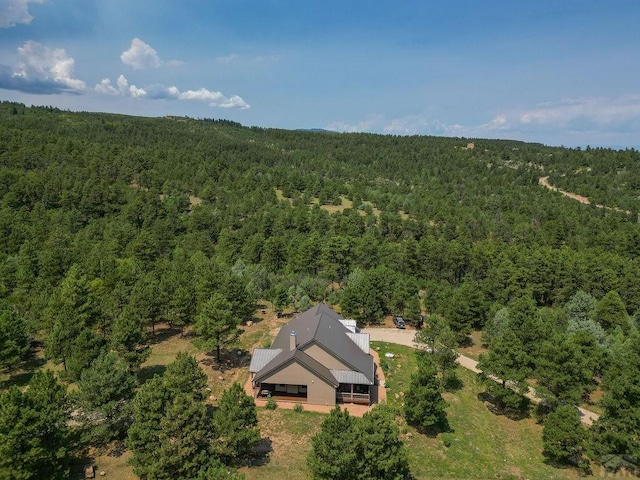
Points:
x=350, y=324
x=349, y=376
x=262, y=356
x=322, y=326
x=360, y=339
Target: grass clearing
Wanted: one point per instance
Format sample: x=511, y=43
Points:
x=481, y=444
x=475, y=349
x=114, y=466
x=345, y=204
x=288, y=433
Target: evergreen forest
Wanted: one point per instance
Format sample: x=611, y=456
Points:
x=111, y=225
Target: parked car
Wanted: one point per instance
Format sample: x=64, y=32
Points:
x=398, y=322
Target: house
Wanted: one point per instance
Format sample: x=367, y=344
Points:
x=318, y=358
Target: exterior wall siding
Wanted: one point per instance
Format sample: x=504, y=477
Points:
x=325, y=358
x=318, y=391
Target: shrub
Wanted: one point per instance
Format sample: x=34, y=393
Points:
x=271, y=404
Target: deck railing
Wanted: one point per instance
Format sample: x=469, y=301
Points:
x=363, y=398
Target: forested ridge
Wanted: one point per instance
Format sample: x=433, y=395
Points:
x=111, y=224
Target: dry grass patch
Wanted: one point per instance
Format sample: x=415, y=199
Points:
x=345, y=204
x=288, y=433
x=475, y=349
x=113, y=464
x=193, y=200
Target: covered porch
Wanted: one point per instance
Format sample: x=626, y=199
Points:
x=279, y=391
x=353, y=393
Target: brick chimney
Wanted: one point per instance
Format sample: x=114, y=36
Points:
x=292, y=340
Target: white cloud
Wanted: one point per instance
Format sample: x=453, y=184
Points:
x=173, y=92
x=41, y=70
x=571, y=120
x=160, y=92
x=129, y=90
x=373, y=123
x=415, y=124
x=214, y=99
x=586, y=113
x=140, y=56
x=571, y=117
x=202, y=95
x=14, y=12
x=235, y=102
x=123, y=89
x=105, y=87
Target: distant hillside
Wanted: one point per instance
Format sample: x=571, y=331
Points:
x=315, y=130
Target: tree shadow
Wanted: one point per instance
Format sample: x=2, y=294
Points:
x=260, y=455
x=21, y=374
x=433, y=431
x=229, y=359
x=253, y=321
x=163, y=335
x=148, y=372
x=19, y=380
x=497, y=407
x=579, y=465
x=453, y=383
x=81, y=461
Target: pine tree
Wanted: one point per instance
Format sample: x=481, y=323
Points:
x=333, y=453
x=143, y=439
x=611, y=312
x=105, y=391
x=236, y=423
x=14, y=339
x=563, y=436
x=172, y=435
x=413, y=310
x=505, y=370
x=184, y=376
x=381, y=453
x=564, y=369
x=34, y=436
x=127, y=337
x=424, y=406
x=216, y=324
x=185, y=438
x=358, y=448
x=615, y=435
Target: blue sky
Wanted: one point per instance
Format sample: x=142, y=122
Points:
x=561, y=72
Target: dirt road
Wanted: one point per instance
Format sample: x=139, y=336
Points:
x=405, y=337
x=544, y=181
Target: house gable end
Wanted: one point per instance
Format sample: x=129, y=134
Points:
x=298, y=357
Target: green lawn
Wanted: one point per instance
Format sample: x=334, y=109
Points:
x=482, y=445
